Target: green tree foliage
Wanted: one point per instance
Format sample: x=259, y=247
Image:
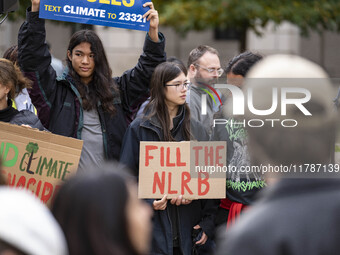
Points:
x=187, y=15
x=32, y=147
x=21, y=13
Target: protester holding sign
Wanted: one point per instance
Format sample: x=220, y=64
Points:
x=86, y=103
x=167, y=118
x=101, y=214
x=10, y=79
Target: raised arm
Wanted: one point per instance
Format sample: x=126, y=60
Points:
x=34, y=60
x=134, y=83
x=35, y=5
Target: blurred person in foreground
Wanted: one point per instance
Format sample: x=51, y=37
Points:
x=299, y=213
x=101, y=214
x=27, y=227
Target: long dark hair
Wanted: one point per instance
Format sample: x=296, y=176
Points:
x=164, y=73
x=91, y=210
x=102, y=86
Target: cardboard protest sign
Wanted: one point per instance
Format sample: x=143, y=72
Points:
x=182, y=168
x=38, y=161
x=114, y=13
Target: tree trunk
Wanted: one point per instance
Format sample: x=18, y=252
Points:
x=29, y=164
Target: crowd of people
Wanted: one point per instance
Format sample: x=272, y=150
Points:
x=98, y=210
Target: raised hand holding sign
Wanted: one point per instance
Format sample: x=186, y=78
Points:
x=124, y=14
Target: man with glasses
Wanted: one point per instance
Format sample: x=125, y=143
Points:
x=204, y=68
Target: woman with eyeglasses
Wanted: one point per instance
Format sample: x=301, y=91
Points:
x=167, y=118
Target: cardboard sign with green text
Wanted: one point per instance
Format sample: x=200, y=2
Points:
x=38, y=161
x=182, y=168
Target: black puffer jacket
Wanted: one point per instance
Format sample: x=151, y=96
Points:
x=26, y=117
x=58, y=102
x=23, y=117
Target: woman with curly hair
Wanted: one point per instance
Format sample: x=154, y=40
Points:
x=11, y=78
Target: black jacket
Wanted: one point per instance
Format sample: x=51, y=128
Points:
x=200, y=212
x=296, y=216
x=58, y=102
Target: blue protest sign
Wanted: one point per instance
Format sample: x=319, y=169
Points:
x=114, y=13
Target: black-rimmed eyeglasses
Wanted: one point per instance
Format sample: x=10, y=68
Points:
x=184, y=85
